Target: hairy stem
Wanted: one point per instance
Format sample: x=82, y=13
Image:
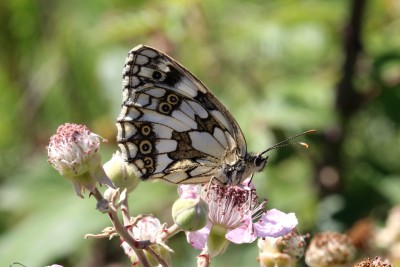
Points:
x=137, y=246
x=171, y=231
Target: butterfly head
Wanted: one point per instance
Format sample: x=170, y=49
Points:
x=256, y=162
x=246, y=167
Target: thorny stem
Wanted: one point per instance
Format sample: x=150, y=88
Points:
x=137, y=246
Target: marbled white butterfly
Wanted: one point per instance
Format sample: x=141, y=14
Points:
x=173, y=128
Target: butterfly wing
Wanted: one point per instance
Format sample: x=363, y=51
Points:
x=171, y=126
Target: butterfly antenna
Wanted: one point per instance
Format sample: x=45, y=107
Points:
x=286, y=142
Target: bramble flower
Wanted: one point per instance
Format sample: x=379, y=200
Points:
x=73, y=152
x=330, y=249
x=148, y=228
x=235, y=215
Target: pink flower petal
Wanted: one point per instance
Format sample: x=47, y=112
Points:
x=187, y=191
x=198, y=239
x=242, y=234
x=275, y=223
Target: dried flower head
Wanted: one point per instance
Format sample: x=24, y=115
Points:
x=330, y=249
x=375, y=262
x=73, y=152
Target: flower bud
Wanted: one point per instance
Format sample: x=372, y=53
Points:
x=330, y=249
x=121, y=173
x=282, y=251
x=190, y=214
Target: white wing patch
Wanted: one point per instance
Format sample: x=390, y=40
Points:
x=152, y=116
x=129, y=114
x=130, y=150
x=206, y=143
x=142, y=100
x=179, y=115
x=165, y=146
x=221, y=118
x=198, y=109
x=221, y=138
x=231, y=141
x=149, y=53
x=188, y=110
x=163, y=162
x=162, y=131
x=186, y=86
x=156, y=92
x=129, y=131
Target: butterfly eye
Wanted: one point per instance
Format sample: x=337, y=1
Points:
x=259, y=161
x=156, y=75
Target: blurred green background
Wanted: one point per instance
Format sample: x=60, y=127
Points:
x=280, y=66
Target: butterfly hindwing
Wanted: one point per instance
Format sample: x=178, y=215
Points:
x=171, y=126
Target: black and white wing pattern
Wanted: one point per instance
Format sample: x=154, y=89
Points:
x=172, y=127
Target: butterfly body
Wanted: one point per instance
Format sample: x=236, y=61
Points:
x=173, y=128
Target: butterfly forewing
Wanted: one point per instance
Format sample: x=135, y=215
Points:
x=171, y=126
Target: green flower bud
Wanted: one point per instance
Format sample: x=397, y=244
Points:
x=190, y=214
x=122, y=175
